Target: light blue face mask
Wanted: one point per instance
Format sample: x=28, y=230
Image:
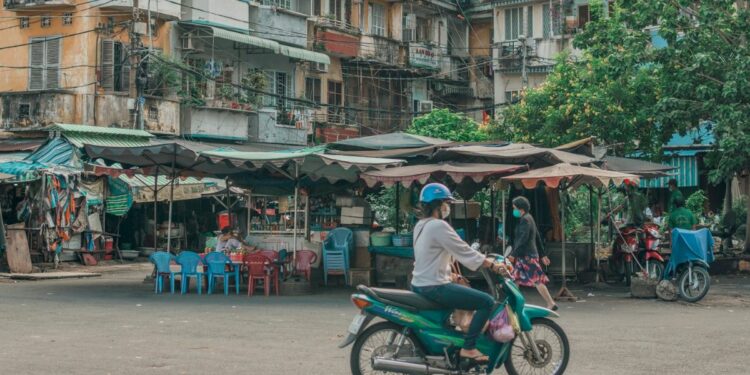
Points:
x=516, y=213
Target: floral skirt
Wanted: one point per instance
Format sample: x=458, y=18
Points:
x=528, y=272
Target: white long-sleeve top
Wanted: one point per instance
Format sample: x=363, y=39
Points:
x=436, y=244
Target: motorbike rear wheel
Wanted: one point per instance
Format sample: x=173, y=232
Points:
x=380, y=339
x=552, y=343
x=694, y=291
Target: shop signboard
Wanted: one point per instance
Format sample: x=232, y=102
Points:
x=423, y=56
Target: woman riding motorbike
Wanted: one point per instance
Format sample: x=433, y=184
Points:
x=436, y=244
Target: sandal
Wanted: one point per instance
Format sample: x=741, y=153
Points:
x=479, y=359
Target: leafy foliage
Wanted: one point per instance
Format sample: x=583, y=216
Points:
x=444, y=124
x=695, y=202
x=608, y=92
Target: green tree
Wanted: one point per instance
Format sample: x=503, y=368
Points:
x=705, y=73
x=609, y=91
x=444, y=124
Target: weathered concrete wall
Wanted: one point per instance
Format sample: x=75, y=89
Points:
x=215, y=10
x=215, y=123
x=38, y=109
x=294, y=25
x=264, y=128
x=161, y=116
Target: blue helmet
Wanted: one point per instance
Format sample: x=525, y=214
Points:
x=433, y=192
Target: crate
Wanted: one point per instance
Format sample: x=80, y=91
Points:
x=362, y=257
x=359, y=276
x=472, y=210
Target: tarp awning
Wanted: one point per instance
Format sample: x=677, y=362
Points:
x=643, y=168
x=570, y=176
x=515, y=153
x=311, y=163
x=411, y=174
x=303, y=54
x=20, y=145
x=184, y=189
x=186, y=157
x=388, y=141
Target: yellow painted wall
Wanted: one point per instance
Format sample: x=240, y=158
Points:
x=79, y=52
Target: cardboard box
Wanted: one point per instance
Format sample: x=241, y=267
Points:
x=352, y=220
x=359, y=211
x=362, y=257
x=472, y=210
x=350, y=202
x=359, y=276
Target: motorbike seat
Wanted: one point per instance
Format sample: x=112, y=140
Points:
x=401, y=298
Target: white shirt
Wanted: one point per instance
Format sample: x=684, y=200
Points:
x=436, y=245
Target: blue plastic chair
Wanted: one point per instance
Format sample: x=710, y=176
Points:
x=337, y=250
x=216, y=264
x=162, y=259
x=189, y=261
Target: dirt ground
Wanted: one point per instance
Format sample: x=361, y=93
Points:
x=114, y=324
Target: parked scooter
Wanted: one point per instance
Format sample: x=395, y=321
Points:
x=692, y=252
x=417, y=338
x=637, y=246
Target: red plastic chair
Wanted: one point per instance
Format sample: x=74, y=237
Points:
x=304, y=261
x=256, y=270
x=273, y=256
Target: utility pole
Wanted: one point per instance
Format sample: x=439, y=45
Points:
x=135, y=53
x=524, y=54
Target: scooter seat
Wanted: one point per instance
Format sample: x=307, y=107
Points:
x=402, y=298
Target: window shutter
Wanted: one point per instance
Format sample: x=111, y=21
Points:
x=52, y=57
x=507, y=25
x=108, y=65
x=36, y=72
x=530, y=22
x=125, y=72
x=546, y=26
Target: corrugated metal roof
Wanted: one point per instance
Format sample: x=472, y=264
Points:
x=686, y=173
x=101, y=130
x=105, y=140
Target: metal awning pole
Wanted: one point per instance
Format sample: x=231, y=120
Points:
x=171, y=199
x=505, y=225
x=296, y=205
x=156, y=203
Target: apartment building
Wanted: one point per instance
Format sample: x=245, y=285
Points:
x=542, y=28
x=69, y=61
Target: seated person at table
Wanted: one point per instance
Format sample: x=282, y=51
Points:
x=227, y=241
x=681, y=217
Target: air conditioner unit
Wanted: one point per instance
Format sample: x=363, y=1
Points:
x=425, y=106
x=188, y=43
x=319, y=67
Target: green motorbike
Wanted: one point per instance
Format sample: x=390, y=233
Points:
x=417, y=337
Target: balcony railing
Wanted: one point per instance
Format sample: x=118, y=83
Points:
x=384, y=50
x=16, y=4
x=514, y=49
x=337, y=24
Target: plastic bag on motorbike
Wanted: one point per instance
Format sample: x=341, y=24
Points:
x=501, y=328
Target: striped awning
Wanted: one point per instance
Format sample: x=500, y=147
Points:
x=245, y=39
x=686, y=173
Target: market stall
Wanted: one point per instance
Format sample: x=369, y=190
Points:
x=563, y=177
x=394, y=252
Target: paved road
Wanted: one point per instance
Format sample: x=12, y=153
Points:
x=115, y=325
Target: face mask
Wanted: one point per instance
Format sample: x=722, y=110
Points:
x=516, y=213
x=445, y=211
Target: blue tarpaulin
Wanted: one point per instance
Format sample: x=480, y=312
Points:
x=690, y=245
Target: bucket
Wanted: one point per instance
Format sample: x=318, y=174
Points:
x=225, y=219
x=109, y=244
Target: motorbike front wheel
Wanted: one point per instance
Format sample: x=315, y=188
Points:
x=694, y=290
x=655, y=270
x=380, y=340
x=553, y=347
